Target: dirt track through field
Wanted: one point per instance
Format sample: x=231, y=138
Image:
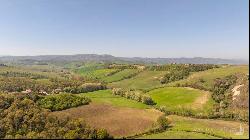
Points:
x=118, y=121
x=200, y=101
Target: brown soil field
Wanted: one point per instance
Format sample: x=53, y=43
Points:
x=118, y=121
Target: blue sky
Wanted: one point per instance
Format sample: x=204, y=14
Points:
x=144, y=28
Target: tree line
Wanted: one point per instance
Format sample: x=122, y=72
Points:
x=180, y=71
x=133, y=95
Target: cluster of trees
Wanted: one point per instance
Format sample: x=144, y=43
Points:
x=134, y=95
x=114, y=72
x=125, y=66
x=242, y=100
x=221, y=94
x=180, y=111
x=174, y=75
x=191, y=67
x=199, y=84
x=62, y=101
x=19, y=82
x=180, y=71
x=22, y=118
x=87, y=87
x=23, y=74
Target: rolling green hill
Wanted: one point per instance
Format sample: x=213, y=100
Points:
x=124, y=74
x=145, y=80
x=205, y=79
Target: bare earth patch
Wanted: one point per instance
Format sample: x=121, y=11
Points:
x=118, y=121
x=200, y=101
x=236, y=91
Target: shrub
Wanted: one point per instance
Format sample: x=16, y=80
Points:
x=163, y=122
x=147, y=100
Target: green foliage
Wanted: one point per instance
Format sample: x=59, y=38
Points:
x=221, y=86
x=62, y=101
x=175, y=76
x=145, y=80
x=87, y=87
x=97, y=73
x=133, y=95
x=23, y=118
x=163, y=122
x=220, y=96
x=121, y=75
x=125, y=66
x=191, y=67
x=208, y=77
x=181, y=71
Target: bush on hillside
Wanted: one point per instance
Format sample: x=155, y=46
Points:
x=163, y=122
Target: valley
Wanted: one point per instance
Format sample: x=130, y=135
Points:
x=132, y=101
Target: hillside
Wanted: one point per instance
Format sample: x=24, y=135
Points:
x=126, y=100
x=62, y=59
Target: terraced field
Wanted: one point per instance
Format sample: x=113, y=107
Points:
x=145, y=80
x=124, y=74
x=205, y=79
x=97, y=74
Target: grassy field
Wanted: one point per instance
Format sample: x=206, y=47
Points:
x=119, y=121
x=176, y=96
x=221, y=128
x=178, y=135
x=206, y=78
x=105, y=96
x=185, y=127
x=120, y=75
x=145, y=80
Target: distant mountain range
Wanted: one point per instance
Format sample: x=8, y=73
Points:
x=112, y=59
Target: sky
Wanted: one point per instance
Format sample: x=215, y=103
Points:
x=127, y=28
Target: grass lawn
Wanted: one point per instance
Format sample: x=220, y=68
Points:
x=174, y=97
x=105, y=96
x=191, y=128
x=177, y=135
x=120, y=75
x=221, y=128
x=145, y=80
x=209, y=76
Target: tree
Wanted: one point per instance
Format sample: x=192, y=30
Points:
x=163, y=122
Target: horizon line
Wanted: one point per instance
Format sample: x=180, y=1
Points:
x=122, y=56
